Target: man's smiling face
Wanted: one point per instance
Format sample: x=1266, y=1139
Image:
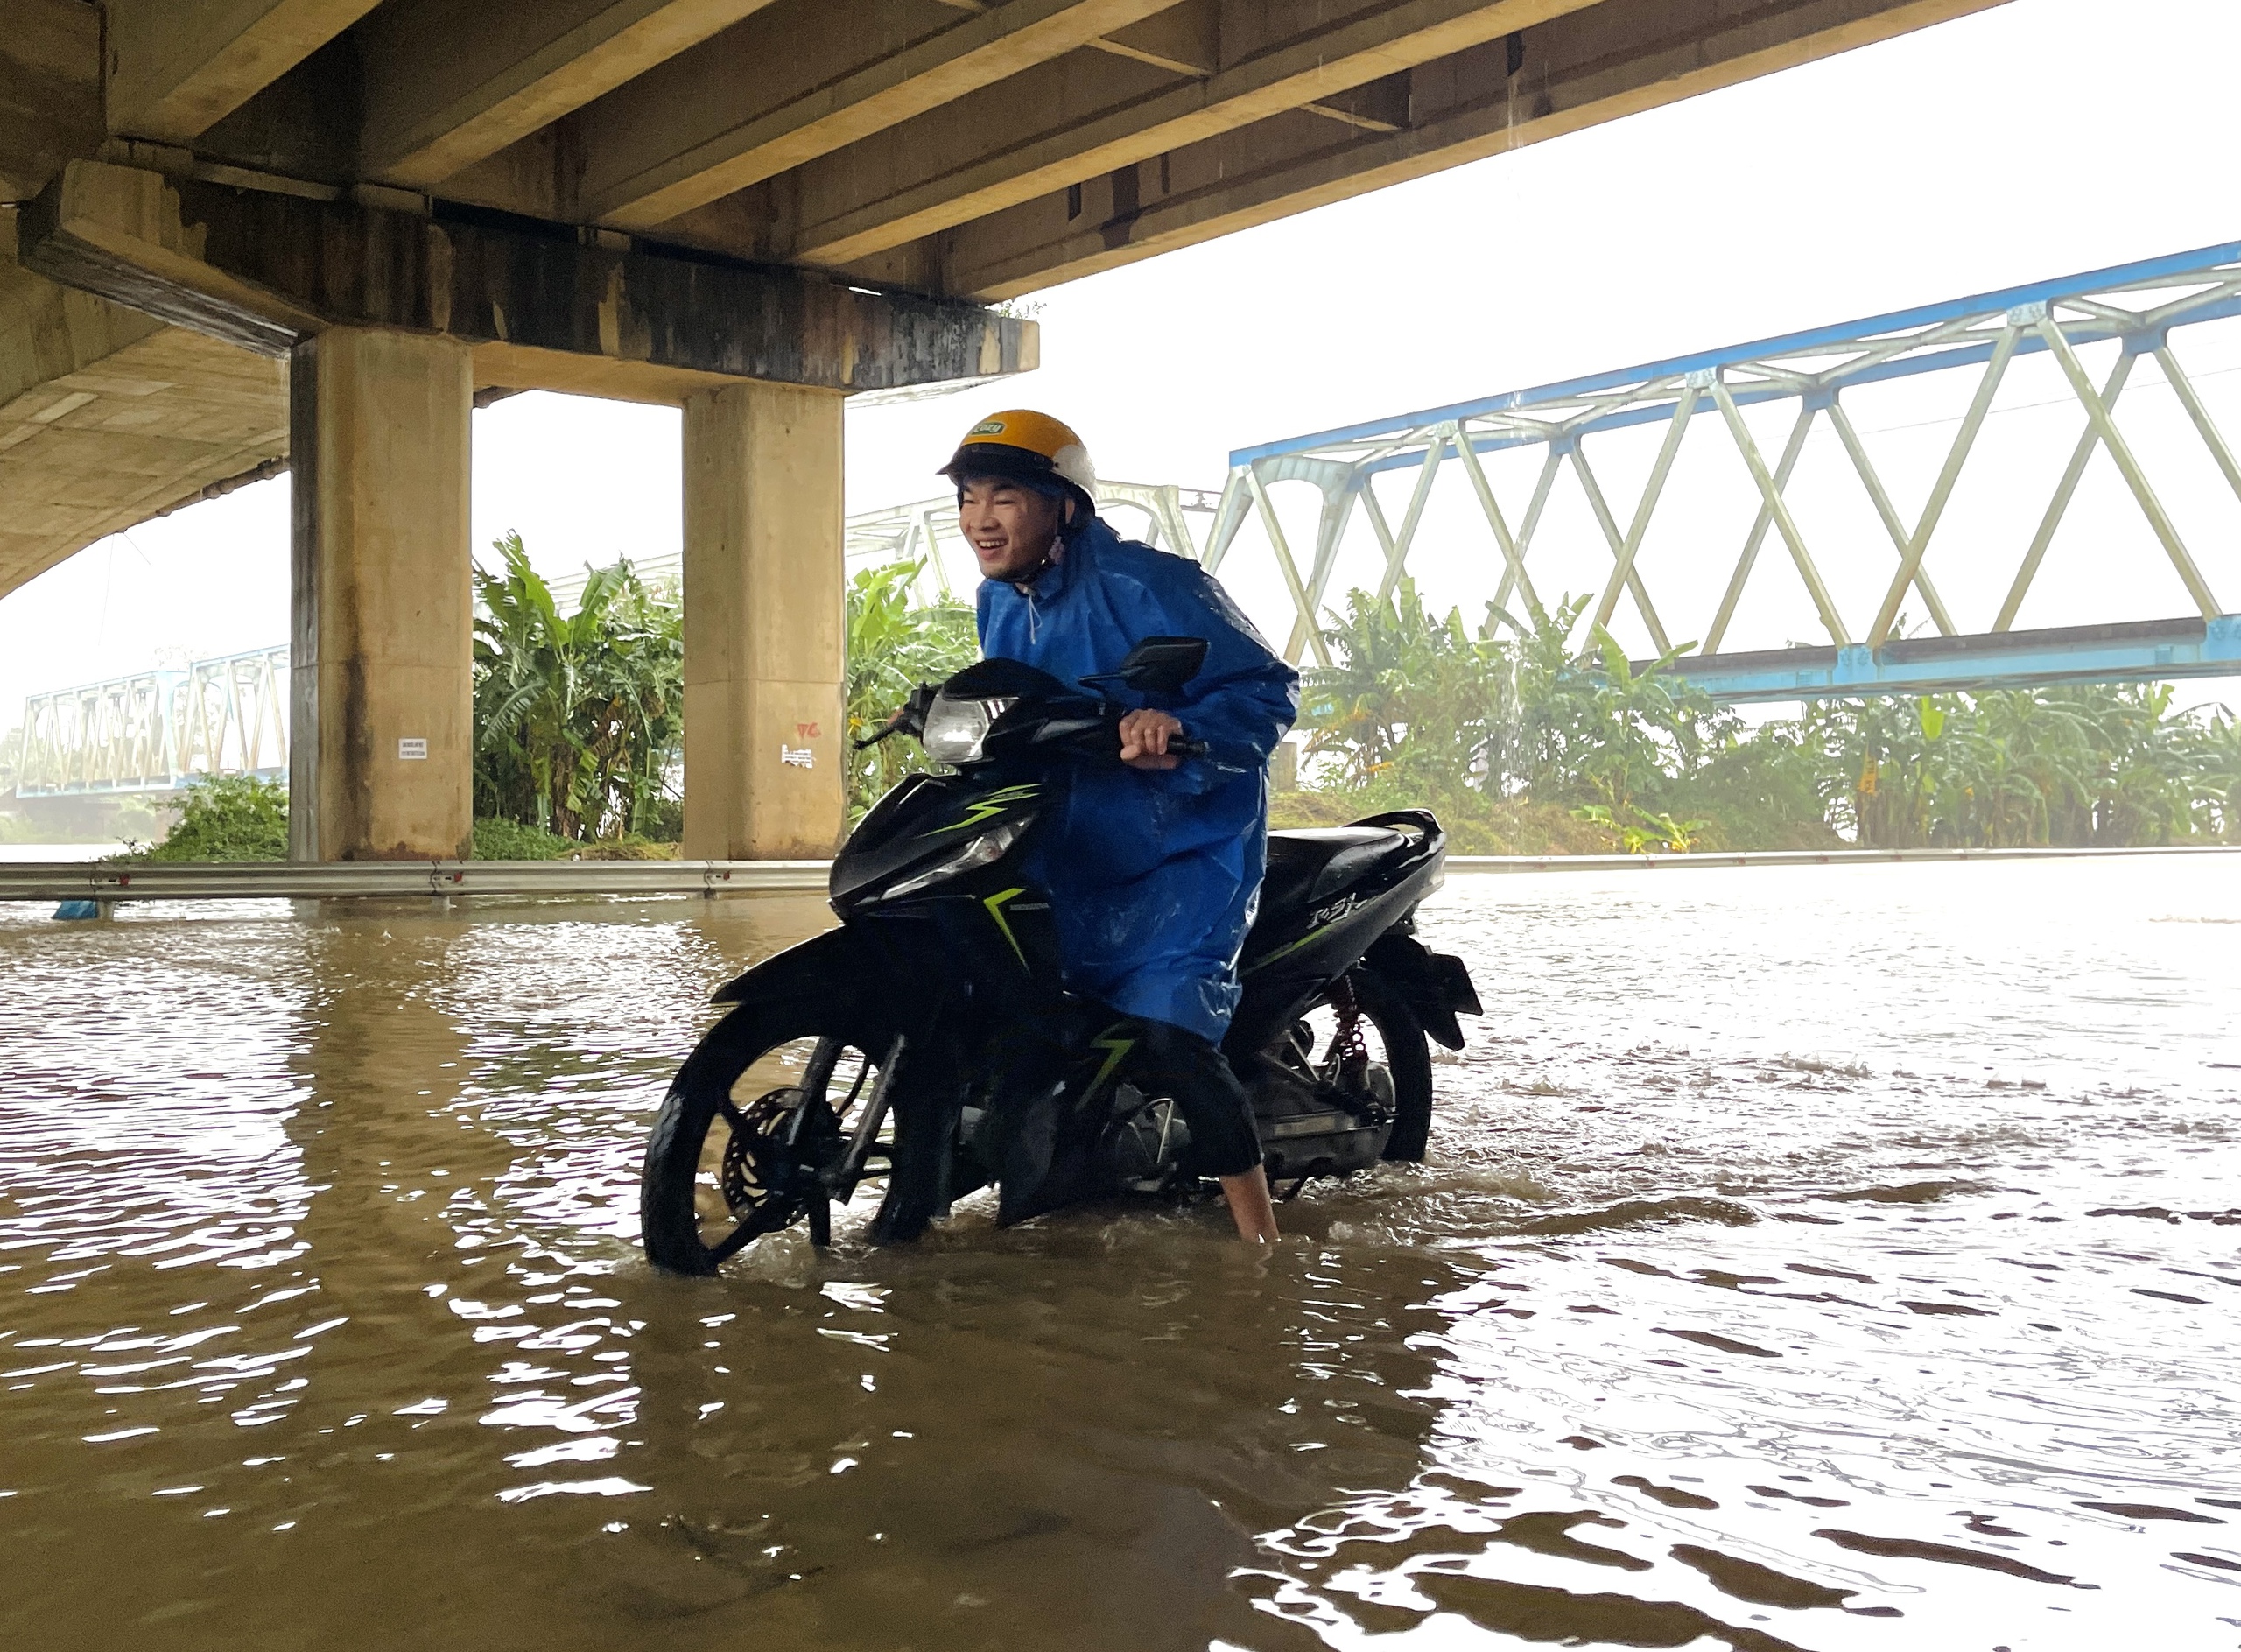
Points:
x=1011, y=527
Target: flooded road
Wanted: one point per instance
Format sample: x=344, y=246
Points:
x=1839, y=1258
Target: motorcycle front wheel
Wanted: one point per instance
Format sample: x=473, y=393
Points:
x=765, y=1102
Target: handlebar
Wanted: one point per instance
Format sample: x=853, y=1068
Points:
x=1102, y=728
x=909, y=718
x=1177, y=745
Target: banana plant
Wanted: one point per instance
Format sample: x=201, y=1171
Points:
x=894, y=644
x=578, y=717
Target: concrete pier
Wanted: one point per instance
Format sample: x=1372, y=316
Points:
x=763, y=640
x=381, y=718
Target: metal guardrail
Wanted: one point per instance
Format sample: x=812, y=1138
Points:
x=110, y=882
x=238, y=881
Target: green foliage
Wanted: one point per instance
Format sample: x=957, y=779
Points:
x=1594, y=731
x=1418, y=710
x=511, y=841
x=580, y=719
x=892, y=646
x=1640, y=833
x=2095, y=764
x=1415, y=710
x=498, y=840
x=228, y=818
x=1413, y=705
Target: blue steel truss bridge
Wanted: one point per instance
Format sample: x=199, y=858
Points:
x=1862, y=576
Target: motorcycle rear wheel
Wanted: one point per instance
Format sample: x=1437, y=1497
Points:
x=756, y=1110
x=1407, y=1059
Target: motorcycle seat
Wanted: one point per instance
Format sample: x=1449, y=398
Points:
x=1309, y=865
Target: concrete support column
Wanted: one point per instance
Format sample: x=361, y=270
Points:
x=381, y=716
x=763, y=636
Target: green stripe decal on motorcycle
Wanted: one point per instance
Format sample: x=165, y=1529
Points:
x=1116, y=1051
x=995, y=906
x=1287, y=949
x=989, y=808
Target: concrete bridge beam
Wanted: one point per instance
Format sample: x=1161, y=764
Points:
x=447, y=84
x=1044, y=131
x=381, y=718
x=707, y=124
x=177, y=67
x=268, y=268
x=50, y=91
x=763, y=636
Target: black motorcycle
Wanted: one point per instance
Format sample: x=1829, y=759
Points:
x=928, y=1043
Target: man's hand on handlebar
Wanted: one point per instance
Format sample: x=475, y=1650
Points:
x=1144, y=737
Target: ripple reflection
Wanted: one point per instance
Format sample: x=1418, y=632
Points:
x=1866, y=1270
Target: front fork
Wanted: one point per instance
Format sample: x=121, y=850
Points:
x=842, y=1175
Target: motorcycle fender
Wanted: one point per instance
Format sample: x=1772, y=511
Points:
x=1436, y=985
x=838, y=964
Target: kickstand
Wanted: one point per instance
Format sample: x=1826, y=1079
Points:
x=1294, y=1194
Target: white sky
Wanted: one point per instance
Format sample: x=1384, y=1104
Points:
x=2040, y=138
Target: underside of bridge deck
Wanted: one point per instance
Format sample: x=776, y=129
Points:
x=108, y=417
x=671, y=200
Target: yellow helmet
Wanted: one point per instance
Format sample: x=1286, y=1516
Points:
x=1027, y=447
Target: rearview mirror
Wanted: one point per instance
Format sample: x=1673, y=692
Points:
x=1158, y=664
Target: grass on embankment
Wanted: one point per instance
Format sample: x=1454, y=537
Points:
x=238, y=818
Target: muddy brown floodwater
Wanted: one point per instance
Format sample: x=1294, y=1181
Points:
x=1840, y=1258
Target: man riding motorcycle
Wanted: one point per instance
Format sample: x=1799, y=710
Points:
x=1154, y=872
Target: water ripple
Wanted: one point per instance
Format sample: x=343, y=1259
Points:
x=1832, y=1259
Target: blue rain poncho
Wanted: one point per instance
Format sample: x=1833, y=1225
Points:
x=1154, y=874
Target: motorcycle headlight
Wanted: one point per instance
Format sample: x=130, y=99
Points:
x=984, y=850
x=956, y=727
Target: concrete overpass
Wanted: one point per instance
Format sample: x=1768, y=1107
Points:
x=249, y=232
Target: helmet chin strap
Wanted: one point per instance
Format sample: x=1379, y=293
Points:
x=1053, y=553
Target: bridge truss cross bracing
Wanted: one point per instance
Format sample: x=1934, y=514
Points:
x=2138, y=305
